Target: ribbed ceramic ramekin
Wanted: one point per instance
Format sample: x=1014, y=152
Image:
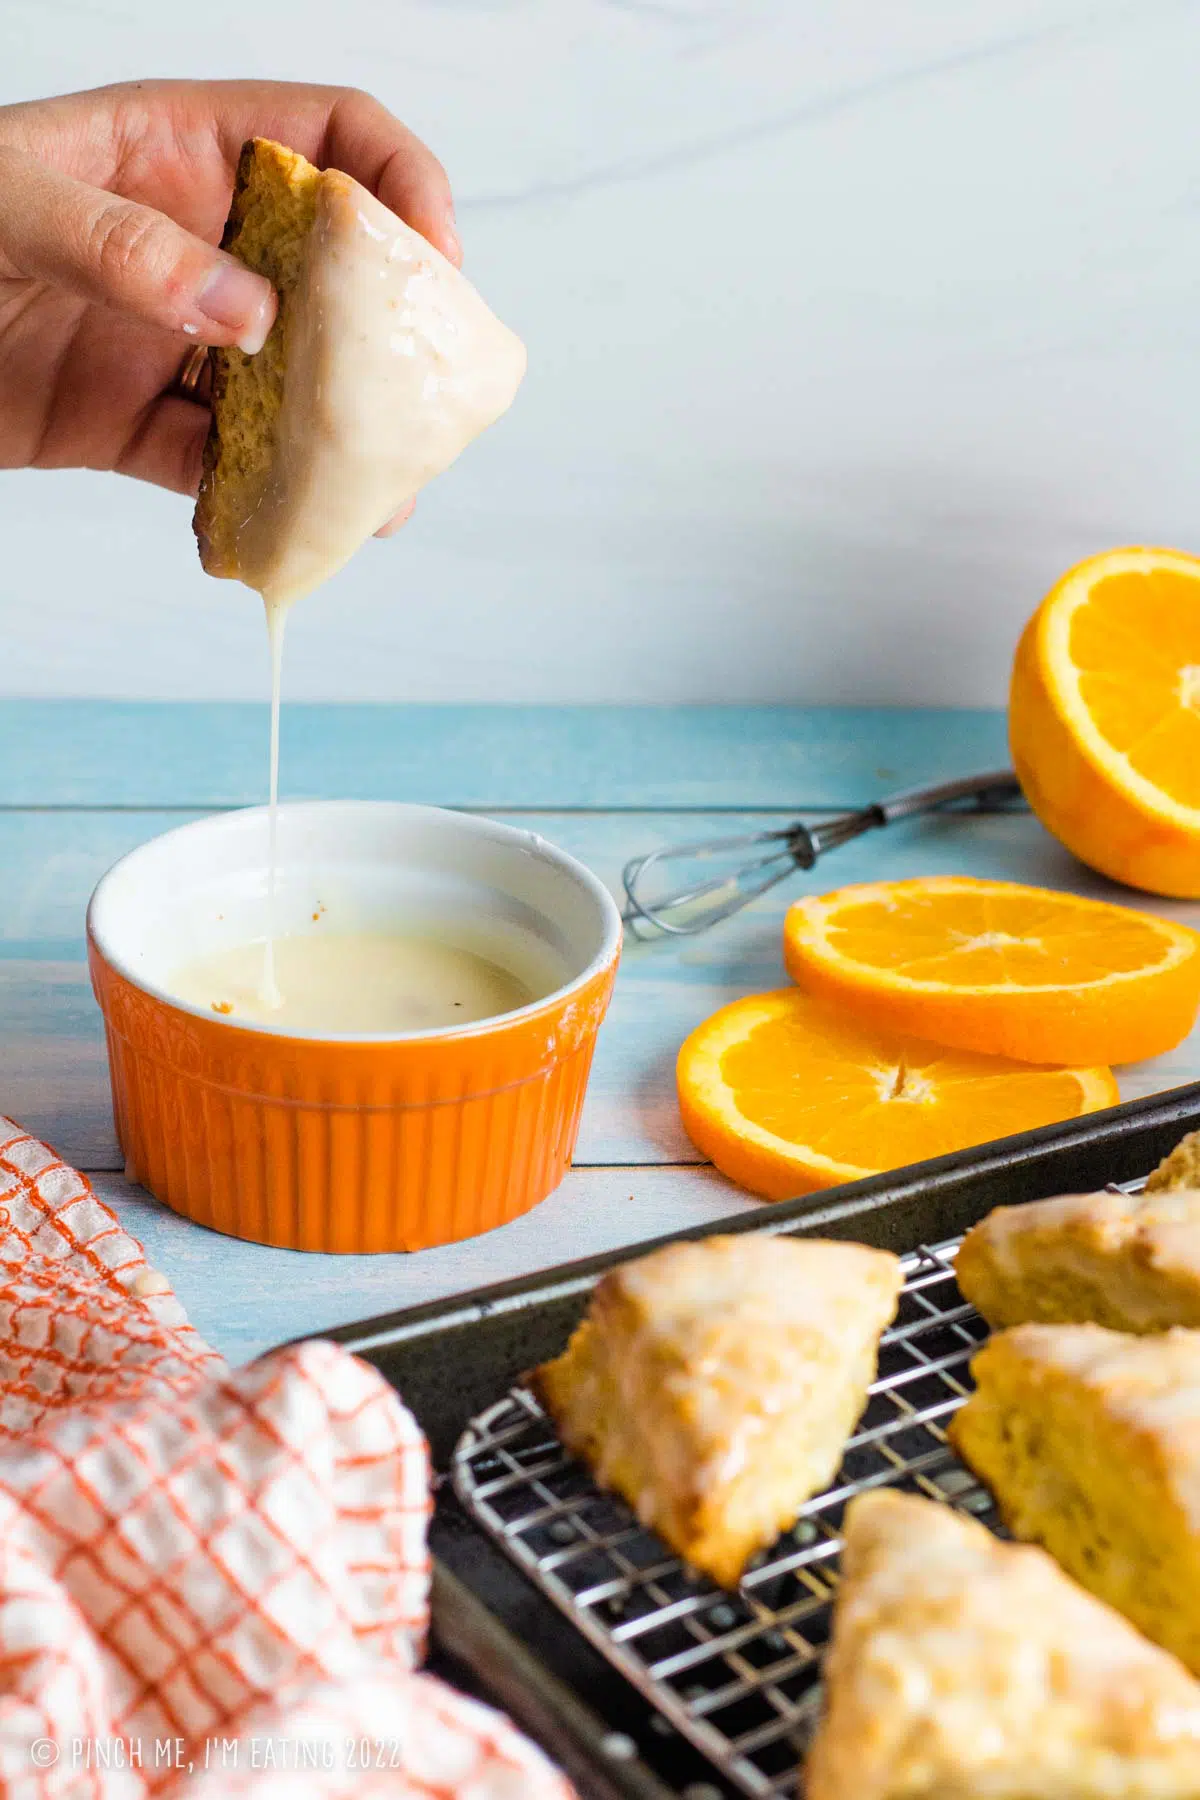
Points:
x=349, y=1143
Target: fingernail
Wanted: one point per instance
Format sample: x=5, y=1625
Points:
x=397, y=520
x=240, y=301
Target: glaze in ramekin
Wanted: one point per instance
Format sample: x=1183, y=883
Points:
x=341, y=1142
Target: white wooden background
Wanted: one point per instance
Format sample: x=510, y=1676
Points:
x=850, y=324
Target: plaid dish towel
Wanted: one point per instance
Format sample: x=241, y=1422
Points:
x=213, y=1582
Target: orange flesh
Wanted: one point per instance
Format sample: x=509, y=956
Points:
x=1136, y=645
x=988, y=938
x=860, y=1098
x=786, y=1094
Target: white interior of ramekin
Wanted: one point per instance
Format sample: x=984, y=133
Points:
x=357, y=865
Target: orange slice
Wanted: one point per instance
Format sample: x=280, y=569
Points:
x=1104, y=716
x=1003, y=969
x=785, y=1096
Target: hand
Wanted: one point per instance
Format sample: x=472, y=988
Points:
x=111, y=203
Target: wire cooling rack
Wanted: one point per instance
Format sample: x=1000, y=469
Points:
x=735, y=1674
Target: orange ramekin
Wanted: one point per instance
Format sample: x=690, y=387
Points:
x=349, y=1143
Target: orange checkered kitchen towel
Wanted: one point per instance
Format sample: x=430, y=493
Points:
x=213, y=1582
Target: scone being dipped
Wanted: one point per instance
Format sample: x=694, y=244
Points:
x=714, y=1384
x=1128, y=1261
x=962, y=1667
x=1090, y=1441
x=382, y=365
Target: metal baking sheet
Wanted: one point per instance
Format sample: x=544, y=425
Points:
x=496, y=1630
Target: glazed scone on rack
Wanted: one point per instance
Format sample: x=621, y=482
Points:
x=382, y=365
x=1181, y=1169
x=964, y=1668
x=1090, y=1441
x=1129, y=1261
x=714, y=1384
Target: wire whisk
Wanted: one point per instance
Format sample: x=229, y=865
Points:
x=704, y=903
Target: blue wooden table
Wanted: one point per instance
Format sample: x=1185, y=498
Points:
x=82, y=782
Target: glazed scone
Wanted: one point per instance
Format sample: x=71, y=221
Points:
x=1090, y=1441
x=1181, y=1169
x=1128, y=1261
x=270, y=220
x=714, y=1384
x=382, y=365
x=962, y=1667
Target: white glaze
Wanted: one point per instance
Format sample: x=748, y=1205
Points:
x=962, y=1665
x=356, y=981
x=1151, y=1383
x=1131, y=1243
x=394, y=365
x=764, y=1346
x=269, y=995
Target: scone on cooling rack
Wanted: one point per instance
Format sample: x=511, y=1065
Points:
x=714, y=1384
x=962, y=1667
x=1181, y=1169
x=1130, y=1261
x=1090, y=1441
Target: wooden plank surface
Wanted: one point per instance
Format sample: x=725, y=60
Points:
x=636, y=1174
x=245, y=1298
x=105, y=753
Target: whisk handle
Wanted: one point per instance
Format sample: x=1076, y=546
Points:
x=994, y=791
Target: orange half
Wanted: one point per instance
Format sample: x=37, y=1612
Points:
x=785, y=1096
x=999, y=968
x=1104, y=716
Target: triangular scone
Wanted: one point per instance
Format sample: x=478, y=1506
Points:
x=1090, y=1441
x=962, y=1668
x=714, y=1384
x=382, y=365
x=1128, y=1261
x=1181, y=1169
